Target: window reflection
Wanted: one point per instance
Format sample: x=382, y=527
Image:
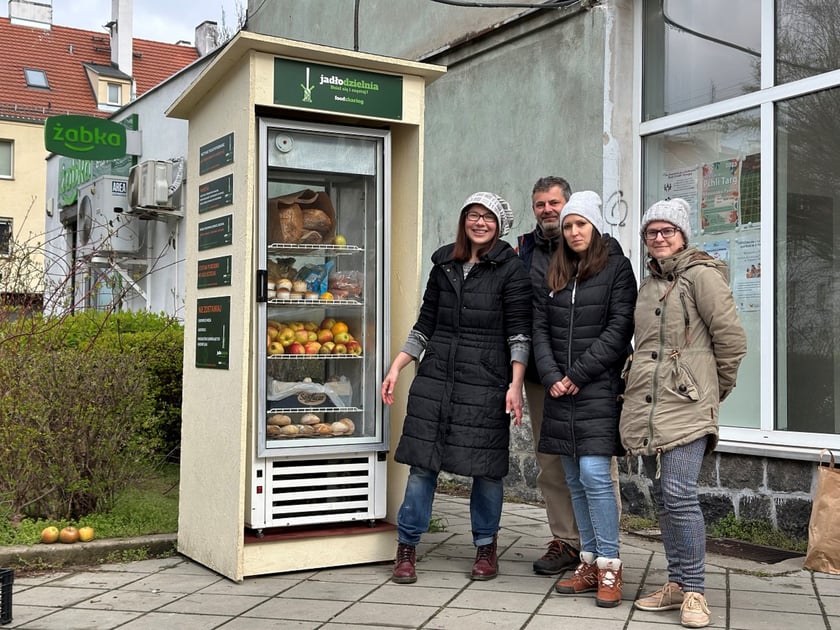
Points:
x=698, y=52
x=808, y=264
x=807, y=38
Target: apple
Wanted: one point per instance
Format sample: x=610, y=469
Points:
x=296, y=325
x=86, y=534
x=310, y=326
x=49, y=535
x=296, y=348
x=313, y=336
x=340, y=348
x=273, y=332
x=302, y=336
x=286, y=336
x=325, y=335
x=341, y=337
x=327, y=347
x=328, y=322
x=275, y=347
x=353, y=347
x=340, y=240
x=339, y=327
x=69, y=535
x=312, y=347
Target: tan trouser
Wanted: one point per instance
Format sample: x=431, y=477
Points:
x=551, y=478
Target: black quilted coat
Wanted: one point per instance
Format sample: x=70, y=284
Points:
x=456, y=419
x=584, y=331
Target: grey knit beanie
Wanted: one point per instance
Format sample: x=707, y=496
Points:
x=496, y=205
x=587, y=204
x=674, y=211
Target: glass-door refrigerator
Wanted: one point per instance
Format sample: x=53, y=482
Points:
x=319, y=429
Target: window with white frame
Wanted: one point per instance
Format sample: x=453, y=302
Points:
x=6, y=155
x=114, y=94
x=6, y=226
x=739, y=103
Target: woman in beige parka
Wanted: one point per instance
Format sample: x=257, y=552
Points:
x=689, y=343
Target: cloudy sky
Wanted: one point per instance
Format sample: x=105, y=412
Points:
x=159, y=20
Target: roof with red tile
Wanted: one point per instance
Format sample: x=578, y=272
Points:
x=62, y=53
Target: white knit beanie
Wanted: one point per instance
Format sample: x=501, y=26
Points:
x=496, y=205
x=587, y=204
x=674, y=211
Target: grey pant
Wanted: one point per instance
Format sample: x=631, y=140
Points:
x=680, y=516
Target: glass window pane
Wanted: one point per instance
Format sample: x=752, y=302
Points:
x=5, y=237
x=808, y=263
x=114, y=93
x=35, y=78
x=698, y=52
x=807, y=38
x=715, y=166
x=5, y=158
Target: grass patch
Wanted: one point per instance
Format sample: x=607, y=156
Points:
x=437, y=524
x=756, y=532
x=149, y=506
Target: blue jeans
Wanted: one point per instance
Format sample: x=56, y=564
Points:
x=593, y=500
x=416, y=510
x=680, y=517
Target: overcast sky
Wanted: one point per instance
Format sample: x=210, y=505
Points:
x=159, y=20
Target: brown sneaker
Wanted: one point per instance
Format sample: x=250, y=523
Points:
x=609, y=582
x=584, y=579
x=486, y=565
x=694, y=612
x=669, y=597
x=558, y=557
x=404, y=565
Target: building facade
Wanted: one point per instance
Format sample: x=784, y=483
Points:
x=728, y=105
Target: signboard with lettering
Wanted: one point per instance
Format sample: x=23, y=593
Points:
x=212, y=333
x=215, y=233
x=215, y=154
x=313, y=86
x=84, y=137
x=215, y=194
x=214, y=272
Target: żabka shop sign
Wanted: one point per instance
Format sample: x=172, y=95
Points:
x=84, y=137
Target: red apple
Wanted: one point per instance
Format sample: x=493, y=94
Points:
x=301, y=336
x=312, y=347
x=326, y=347
x=325, y=334
x=340, y=348
x=296, y=348
x=328, y=322
x=353, y=347
x=341, y=337
x=69, y=535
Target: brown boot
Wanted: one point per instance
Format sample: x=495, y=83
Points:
x=609, y=582
x=404, y=565
x=584, y=579
x=486, y=565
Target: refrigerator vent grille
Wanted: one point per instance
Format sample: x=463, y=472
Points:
x=320, y=490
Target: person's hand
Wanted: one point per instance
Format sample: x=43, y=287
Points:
x=513, y=404
x=563, y=387
x=571, y=388
x=388, y=386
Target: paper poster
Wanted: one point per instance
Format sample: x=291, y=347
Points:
x=682, y=182
x=717, y=249
x=745, y=272
x=719, y=204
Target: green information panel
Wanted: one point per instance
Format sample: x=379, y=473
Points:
x=215, y=154
x=215, y=232
x=214, y=272
x=310, y=85
x=215, y=194
x=212, y=333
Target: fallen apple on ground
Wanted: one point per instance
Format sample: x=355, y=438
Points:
x=69, y=535
x=86, y=534
x=49, y=534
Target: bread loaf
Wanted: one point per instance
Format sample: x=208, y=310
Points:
x=306, y=429
x=279, y=419
x=318, y=220
x=322, y=429
x=290, y=429
x=287, y=224
x=309, y=418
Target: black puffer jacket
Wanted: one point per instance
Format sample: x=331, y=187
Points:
x=584, y=332
x=456, y=419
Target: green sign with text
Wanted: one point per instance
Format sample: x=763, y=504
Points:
x=310, y=85
x=84, y=137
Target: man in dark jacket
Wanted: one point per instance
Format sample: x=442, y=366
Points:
x=535, y=248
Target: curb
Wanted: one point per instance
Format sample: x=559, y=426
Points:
x=88, y=553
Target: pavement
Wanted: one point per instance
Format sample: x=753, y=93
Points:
x=179, y=594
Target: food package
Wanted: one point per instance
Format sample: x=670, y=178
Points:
x=305, y=216
x=315, y=276
x=345, y=284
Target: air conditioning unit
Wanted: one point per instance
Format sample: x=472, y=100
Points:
x=101, y=222
x=155, y=185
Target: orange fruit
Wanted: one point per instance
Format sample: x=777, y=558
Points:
x=326, y=295
x=339, y=327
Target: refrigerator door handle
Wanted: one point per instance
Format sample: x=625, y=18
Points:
x=262, y=285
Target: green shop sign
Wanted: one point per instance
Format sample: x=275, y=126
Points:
x=84, y=137
x=313, y=86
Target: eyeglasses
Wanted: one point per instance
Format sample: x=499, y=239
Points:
x=668, y=232
x=488, y=217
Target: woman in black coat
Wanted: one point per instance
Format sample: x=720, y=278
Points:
x=583, y=324
x=473, y=333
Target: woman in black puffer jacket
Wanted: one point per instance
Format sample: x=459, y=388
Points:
x=583, y=324
x=473, y=333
